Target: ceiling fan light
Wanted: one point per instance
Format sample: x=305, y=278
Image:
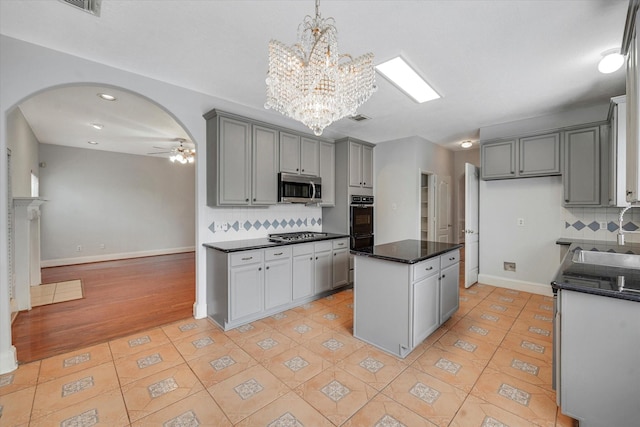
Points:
x=610, y=62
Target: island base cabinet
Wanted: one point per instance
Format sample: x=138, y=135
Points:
x=426, y=317
x=599, y=359
x=384, y=319
x=449, y=291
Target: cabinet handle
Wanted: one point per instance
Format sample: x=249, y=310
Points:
x=247, y=258
x=566, y=200
x=512, y=172
x=254, y=200
x=246, y=200
x=428, y=269
x=259, y=268
x=311, y=259
x=364, y=183
x=452, y=258
x=267, y=267
x=278, y=254
x=297, y=170
x=443, y=276
x=335, y=254
x=316, y=257
x=340, y=244
x=302, y=170
x=360, y=183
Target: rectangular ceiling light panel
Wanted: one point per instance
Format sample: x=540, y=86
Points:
x=398, y=72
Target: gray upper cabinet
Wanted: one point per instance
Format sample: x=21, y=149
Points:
x=265, y=166
x=582, y=172
x=529, y=156
x=328, y=173
x=299, y=154
x=498, y=159
x=242, y=161
x=360, y=165
x=539, y=155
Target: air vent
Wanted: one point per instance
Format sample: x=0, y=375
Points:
x=359, y=118
x=90, y=6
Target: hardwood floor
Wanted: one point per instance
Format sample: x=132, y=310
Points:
x=120, y=298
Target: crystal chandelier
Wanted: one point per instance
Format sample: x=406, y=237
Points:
x=311, y=82
x=182, y=155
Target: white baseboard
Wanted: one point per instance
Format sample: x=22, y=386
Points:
x=113, y=257
x=8, y=360
x=199, y=310
x=517, y=285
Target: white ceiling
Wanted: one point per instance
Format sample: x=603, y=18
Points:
x=492, y=61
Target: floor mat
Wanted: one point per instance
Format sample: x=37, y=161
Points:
x=56, y=292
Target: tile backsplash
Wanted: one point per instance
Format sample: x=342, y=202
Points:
x=585, y=223
x=254, y=223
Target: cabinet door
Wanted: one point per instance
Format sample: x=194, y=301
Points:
x=367, y=166
x=289, y=153
x=449, y=289
x=340, y=267
x=265, y=166
x=277, y=283
x=581, y=176
x=303, y=275
x=247, y=291
x=498, y=159
x=355, y=164
x=539, y=155
x=323, y=271
x=234, y=178
x=309, y=156
x=328, y=173
x=426, y=301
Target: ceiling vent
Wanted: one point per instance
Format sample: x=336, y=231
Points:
x=359, y=118
x=90, y=6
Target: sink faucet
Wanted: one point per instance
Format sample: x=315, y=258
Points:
x=621, y=232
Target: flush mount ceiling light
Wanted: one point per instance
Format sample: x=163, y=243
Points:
x=311, y=82
x=97, y=126
x=611, y=61
x=398, y=72
x=466, y=144
x=107, y=97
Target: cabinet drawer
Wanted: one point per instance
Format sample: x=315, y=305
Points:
x=449, y=258
x=426, y=268
x=340, y=243
x=243, y=258
x=323, y=246
x=303, y=249
x=280, y=252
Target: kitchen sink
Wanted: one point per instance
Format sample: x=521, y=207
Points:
x=610, y=259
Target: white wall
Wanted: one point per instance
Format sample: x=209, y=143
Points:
x=398, y=165
x=133, y=205
x=24, y=153
x=537, y=200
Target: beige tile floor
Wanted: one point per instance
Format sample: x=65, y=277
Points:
x=56, y=292
x=489, y=365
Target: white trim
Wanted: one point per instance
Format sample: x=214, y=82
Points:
x=199, y=310
x=517, y=285
x=113, y=257
x=8, y=360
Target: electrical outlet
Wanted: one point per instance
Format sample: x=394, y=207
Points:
x=520, y=222
x=603, y=225
x=102, y=246
x=509, y=266
x=79, y=248
x=221, y=226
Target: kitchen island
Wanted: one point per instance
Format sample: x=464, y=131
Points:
x=403, y=291
x=597, y=334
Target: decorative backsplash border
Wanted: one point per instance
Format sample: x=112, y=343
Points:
x=585, y=223
x=273, y=225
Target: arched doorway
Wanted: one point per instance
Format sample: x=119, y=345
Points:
x=119, y=199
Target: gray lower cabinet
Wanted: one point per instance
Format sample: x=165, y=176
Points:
x=529, y=156
x=398, y=305
x=582, y=169
x=249, y=285
x=277, y=277
x=599, y=350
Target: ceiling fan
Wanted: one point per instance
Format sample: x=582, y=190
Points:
x=179, y=154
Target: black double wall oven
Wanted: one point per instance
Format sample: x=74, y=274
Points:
x=361, y=222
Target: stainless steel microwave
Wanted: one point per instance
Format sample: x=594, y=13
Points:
x=294, y=188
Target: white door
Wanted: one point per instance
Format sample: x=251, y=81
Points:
x=443, y=209
x=471, y=236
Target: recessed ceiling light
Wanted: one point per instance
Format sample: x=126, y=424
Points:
x=398, y=72
x=97, y=126
x=107, y=97
x=466, y=144
x=611, y=61
x=92, y=142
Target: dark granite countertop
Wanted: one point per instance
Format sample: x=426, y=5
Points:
x=599, y=279
x=251, y=244
x=406, y=251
